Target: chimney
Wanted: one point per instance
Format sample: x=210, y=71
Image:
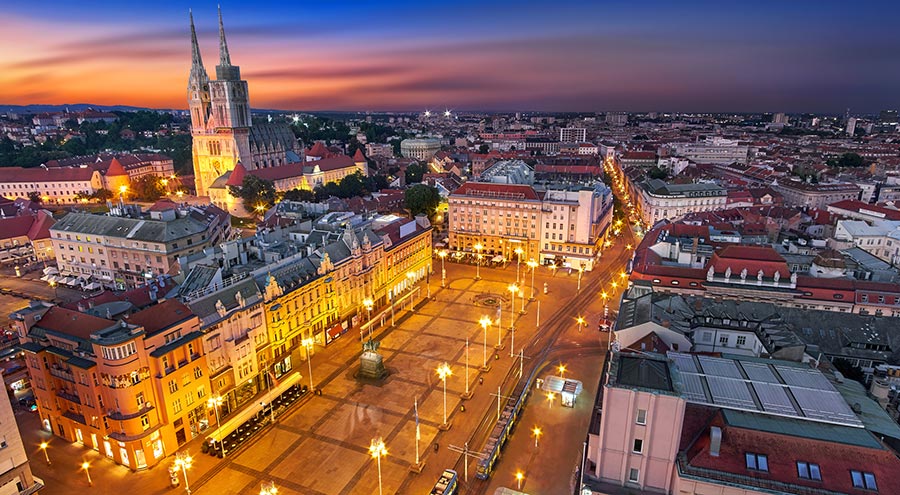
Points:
x=715, y=441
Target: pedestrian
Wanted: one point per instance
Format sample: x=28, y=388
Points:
x=481, y=380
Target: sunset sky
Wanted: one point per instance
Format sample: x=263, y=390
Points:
x=487, y=55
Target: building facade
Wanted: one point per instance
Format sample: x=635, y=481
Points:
x=52, y=185
x=572, y=135
x=15, y=471
x=658, y=200
x=420, y=148
x=798, y=193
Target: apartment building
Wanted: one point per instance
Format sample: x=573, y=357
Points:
x=572, y=135
x=126, y=251
x=696, y=424
x=807, y=195
x=15, y=471
x=113, y=386
x=713, y=150
x=53, y=185
x=658, y=200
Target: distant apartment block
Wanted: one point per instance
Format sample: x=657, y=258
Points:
x=714, y=150
x=572, y=135
x=797, y=193
x=658, y=200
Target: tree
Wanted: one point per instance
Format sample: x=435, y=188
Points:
x=483, y=149
x=300, y=195
x=257, y=194
x=35, y=197
x=102, y=195
x=414, y=173
x=422, y=198
x=848, y=160
x=147, y=188
x=657, y=173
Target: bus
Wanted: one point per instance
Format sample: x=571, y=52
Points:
x=447, y=484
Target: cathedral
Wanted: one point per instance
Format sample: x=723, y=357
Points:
x=222, y=131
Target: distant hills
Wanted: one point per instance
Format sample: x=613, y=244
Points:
x=73, y=107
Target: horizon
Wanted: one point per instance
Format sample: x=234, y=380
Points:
x=401, y=57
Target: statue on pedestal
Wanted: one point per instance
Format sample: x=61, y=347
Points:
x=743, y=275
x=371, y=363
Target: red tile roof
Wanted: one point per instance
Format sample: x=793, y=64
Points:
x=163, y=205
x=859, y=206
x=161, y=316
x=236, y=178
x=115, y=168
x=73, y=323
x=318, y=150
x=358, y=157
x=333, y=163
x=39, y=174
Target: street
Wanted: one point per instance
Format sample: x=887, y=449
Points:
x=321, y=445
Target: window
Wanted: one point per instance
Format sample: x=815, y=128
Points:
x=808, y=471
x=638, y=446
x=759, y=462
x=633, y=475
x=641, y=417
x=140, y=399
x=723, y=340
x=177, y=405
x=862, y=479
x=707, y=336
x=173, y=386
x=145, y=421
x=741, y=340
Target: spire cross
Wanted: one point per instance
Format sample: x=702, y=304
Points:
x=224, y=56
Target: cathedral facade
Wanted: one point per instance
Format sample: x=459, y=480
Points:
x=222, y=130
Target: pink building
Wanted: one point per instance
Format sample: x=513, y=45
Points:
x=700, y=424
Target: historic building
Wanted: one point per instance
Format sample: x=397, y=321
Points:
x=222, y=130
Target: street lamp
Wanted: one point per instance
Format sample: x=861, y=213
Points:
x=519, y=477
x=86, y=466
x=614, y=285
x=44, y=446
x=308, y=344
x=580, y=322
x=378, y=450
x=562, y=370
x=580, y=271
x=478, y=247
x=183, y=460
x=369, y=304
x=513, y=289
x=550, y=397
x=485, y=323
x=215, y=402
x=518, y=252
x=268, y=489
x=443, y=372
x=122, y=191
x=533, y=265
x=55, y=291
x=537, y=434
x=443, y=254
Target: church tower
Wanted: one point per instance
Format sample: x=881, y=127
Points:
x=220, y=115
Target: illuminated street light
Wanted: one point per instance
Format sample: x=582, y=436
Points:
x=369, y=304
x=513, y=290
x=580, y=272
x=580, y=321
x=44, y=446
x=562, y=370
x=518, y=252
x=485, y=323
x=443, y=372
x=533, y=265
x=86, y=466
x=478, y=247
x=550, y=397
x=614, y=285
x=308, y=344
x=443, y=254
x=537, y=434
x=378, y=450
x=268, y=489
x=184, y=461
x=519, y=477
x=215, y=402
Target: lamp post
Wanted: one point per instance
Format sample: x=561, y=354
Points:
x=184, y=461
x=537, y=434
x=513, y=289
x=268, y=488
x=368, y=303
x=55, y=292
x=468, y=394
x=580, y=271
x=411, y=276
x=518, y=252
x=550, y=397
x=580, y=322
x=443, y=254
x=214, y=402
x=44, y=446
x=478, y=248
x=378, y=450
x=562, y=370
x=519, y=478
x=485, y=323
x=86, y=466
x=443, y=372
x=533, y=265
x=308, y=344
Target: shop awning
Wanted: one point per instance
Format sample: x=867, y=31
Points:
x=335, y=331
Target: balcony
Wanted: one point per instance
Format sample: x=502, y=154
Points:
x=69, y=397
x=119, y=416
x=62, y=374
x=74, y=417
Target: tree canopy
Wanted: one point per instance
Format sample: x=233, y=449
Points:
x=255, y=193
x=847, y=160
x=422, y=198
x=414, y=173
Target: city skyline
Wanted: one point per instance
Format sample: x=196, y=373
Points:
x=400, y=56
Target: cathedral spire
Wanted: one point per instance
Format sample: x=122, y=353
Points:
x=196, y=60
x=224, y=57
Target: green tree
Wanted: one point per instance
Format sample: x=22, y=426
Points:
x=300, y=195
x=657, y=173
x=147, y=188
x=422, y=198
x=353, y=185
x=35, y=197
x=483, y=149
x=414, y=173
x=256, y=194
x=848, y=160
x=102, y=195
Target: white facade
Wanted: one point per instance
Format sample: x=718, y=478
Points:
x=716, y=150
x=659, y=201
x=880, y=238
x=572, y=135
x=420, y=149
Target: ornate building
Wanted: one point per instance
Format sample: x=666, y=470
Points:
x=222, y=130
